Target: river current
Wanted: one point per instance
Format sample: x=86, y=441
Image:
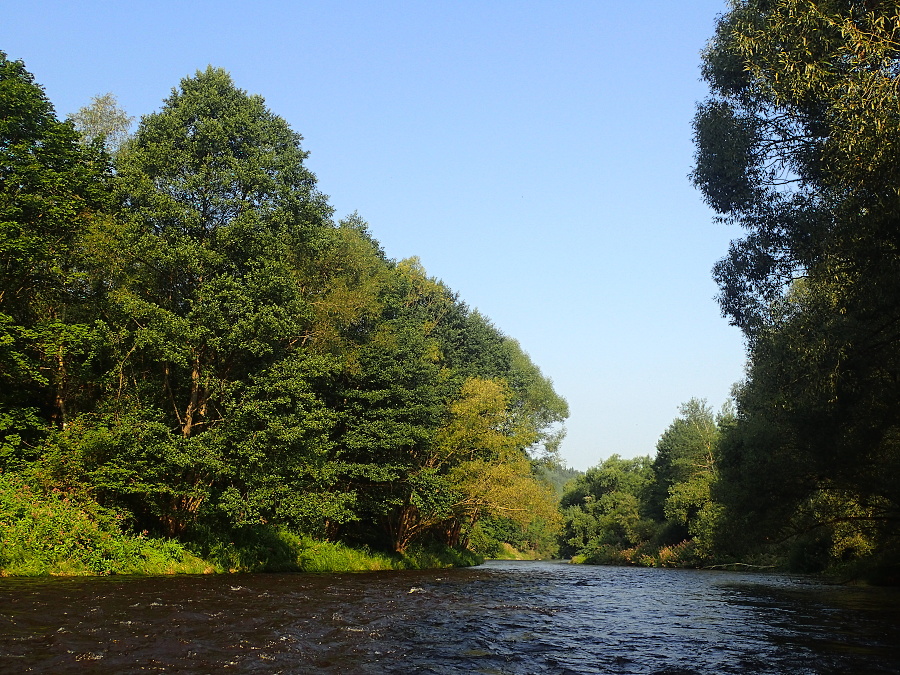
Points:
x=501, y=617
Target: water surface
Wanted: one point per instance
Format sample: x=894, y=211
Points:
x=501, y=617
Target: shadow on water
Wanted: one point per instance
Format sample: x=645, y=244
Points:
x=502, y=617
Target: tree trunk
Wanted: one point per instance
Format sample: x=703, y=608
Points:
x=59, y=413
x=452, y=533
x=193, y=404
x=403, y=530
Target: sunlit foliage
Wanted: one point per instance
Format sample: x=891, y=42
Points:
x=191, y=342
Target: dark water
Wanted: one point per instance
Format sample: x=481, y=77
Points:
x=502, y=617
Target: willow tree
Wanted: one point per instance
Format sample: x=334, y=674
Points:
x=798, y=146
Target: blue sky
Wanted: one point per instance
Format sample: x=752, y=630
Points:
x=534, y=155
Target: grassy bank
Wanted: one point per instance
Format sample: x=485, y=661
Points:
x=268, y=549
x=509, y=552
x=67, y=533
x=53, y=532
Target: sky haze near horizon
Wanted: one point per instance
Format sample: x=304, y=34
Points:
x=533, y=155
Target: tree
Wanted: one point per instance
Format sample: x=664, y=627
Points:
x=224, y=218
x=603, y=507
x=535, y=402
x=798, y=146
x=207, y=305
x=489, y=468
x=50, y=190
x=391, y=399
x=686, y=477
x=103, y=121
x=685, y=451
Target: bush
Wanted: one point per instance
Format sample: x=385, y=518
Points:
x=66, y=532
x=645, y=554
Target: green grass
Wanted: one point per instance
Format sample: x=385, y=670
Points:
x=271, y=549
x=54, y=532
x=507, y=551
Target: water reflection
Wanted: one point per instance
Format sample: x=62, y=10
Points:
x=503, y=617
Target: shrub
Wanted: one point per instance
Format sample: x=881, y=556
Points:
x=66, y=532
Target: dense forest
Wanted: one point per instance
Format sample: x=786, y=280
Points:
x=797, y=145
x=200, y=368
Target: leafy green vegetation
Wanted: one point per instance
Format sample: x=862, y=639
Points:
x=798, y=146
x=201, y=370
x=813, y=458
x=654, y=513
x=57, y=532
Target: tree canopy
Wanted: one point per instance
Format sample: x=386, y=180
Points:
x=103, y=121
x=51, y=190
x=190, y=340
x=797, y=145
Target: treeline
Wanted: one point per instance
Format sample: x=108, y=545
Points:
x=659, y=512
x=193, y=351
x=797, y=145
x=688, y=507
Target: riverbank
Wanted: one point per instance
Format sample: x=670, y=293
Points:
x=128, y=555
x=66, y=534
x=872, y=570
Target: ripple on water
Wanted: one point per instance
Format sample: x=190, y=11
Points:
x=503, y=617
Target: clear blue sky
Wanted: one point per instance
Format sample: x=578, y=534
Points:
x=534, y=155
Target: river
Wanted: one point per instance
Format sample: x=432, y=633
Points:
x=501, y=617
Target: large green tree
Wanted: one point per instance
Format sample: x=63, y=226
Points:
x=208, y=305
x=224, y=218
x=798, y=146
x=51, y=189
x=685, y=451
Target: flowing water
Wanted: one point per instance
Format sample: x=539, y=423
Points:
x=501, y=617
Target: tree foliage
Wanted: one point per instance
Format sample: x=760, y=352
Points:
x=658, y=512
x=797, y=145
x=103, y=121
x=51, y=189
x=188, y=337
x=603, y=507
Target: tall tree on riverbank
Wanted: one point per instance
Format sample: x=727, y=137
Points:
x=798, y=146
x=207, y=306
x=51, y=188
